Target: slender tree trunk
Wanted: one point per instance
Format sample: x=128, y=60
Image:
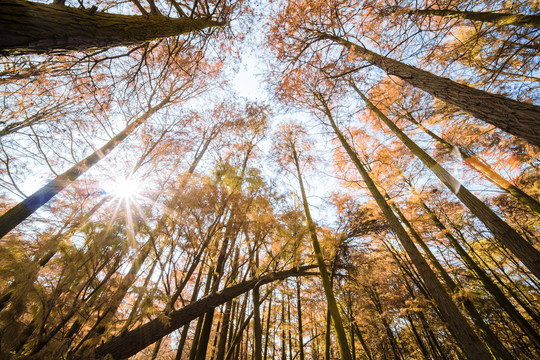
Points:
x=367, y=351
x=480, y=274
x=289, y=323
x=517, y=118
x=283, y=322
x=29, y=27
x=532, y=21
x=503, y=232
x=183, y=336
x=17, y=214
x=238, y=340
x=267, y=337
x=327, y=285
x=200, y=321
x=374, y=296
x=485, y=169
x=467, y=339
x=489, y=336
x=257, y=330
x=299, y=310
x=327, y=335
x=226, y=320
x=418, y=338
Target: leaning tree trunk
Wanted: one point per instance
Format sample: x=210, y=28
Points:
x=480, y=274
x=130, y=343
x=517, y=118
x=502, y=232
x=483, y=168
x=467, y=339
x=532, y=21
x=29, y=27
x=17, y=214
x=489, y=336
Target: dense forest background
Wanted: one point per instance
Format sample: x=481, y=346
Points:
x=373, y=194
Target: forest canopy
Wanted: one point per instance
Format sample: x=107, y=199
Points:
x=308, y=179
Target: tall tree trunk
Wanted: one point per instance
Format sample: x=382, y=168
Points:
x=517, y=118
x=327, y=285
x=489, y=336
x=299, y=311
x=267, y=337
x=418, y=338
x=532, y=21
x=33, y=28
x=130, y=343
x=485, y=169
x=366, y=348
x=200, y=321
x=480, y=274
x=327, y=335
x=467, y=339
x=17, y=214
x=374, y=296
x=503, y=232
x=257, y=330
x=183, y=335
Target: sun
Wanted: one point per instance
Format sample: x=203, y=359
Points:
x=125, y=188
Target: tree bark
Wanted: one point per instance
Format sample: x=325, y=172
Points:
x=483, y=168
x=34, y=28
x=515, y=117
x=128, y=344
x=327, y=284
x=501, y=231
x=467, y=339
x=532, y=21
x=490, y=286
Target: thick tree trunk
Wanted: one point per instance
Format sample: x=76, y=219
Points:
x=459, y=326
x=501, y=231
x=29, y=27
x=130, y=343
x=257, y=329
x=517, y=118
x=532, y=21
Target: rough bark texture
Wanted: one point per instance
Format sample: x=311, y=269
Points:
x=130, y=343
x=517, y=118
x=29, y=27
x=501, y=231
x=467, y=339
x=532, y=21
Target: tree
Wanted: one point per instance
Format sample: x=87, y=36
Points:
x=291, y=142
x=496, y=18
x=515, y=117
x=30, y=27
x=467, y=339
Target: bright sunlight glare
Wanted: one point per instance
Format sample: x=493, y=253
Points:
x=123, y=188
